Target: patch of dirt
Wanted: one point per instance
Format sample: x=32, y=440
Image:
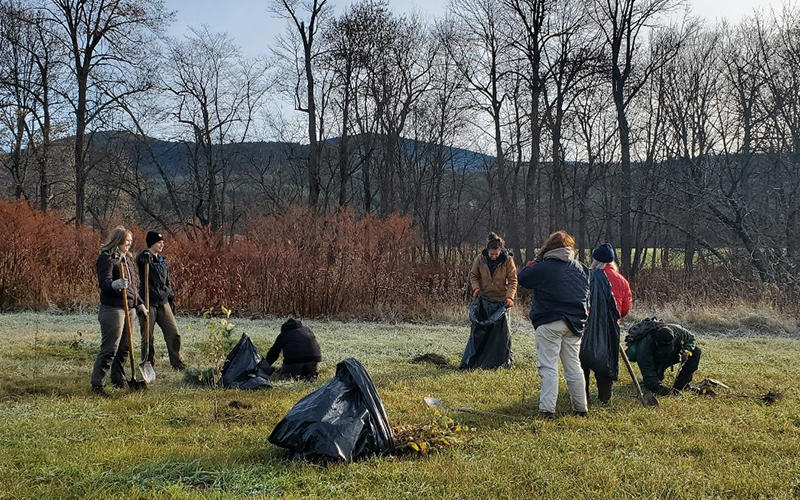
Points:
x=435, y=359
x=238, y=405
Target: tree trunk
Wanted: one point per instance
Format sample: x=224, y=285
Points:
x=80, y=135
x=313, y=147
x=531, y=181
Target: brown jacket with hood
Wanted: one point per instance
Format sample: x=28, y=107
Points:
x=498, y=285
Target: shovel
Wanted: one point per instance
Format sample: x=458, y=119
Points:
x=148, y=373
x=647, y=400
x=133, y=384
x=438, y=403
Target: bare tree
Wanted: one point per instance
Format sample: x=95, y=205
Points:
x=217, y=94
x=107, y=42
x=307, y=31
x=476, y=41
x=624, y=25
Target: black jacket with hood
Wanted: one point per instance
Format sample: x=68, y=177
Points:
x=297, y=343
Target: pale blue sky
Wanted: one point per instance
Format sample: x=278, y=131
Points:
x=254, y=28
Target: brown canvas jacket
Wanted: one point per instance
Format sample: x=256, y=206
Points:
x=500, y=286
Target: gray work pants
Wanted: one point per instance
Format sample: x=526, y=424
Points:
x=113, y=345
x=169, y=327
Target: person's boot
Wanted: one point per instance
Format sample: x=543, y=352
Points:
x=99, y=390
x=547, y=415
x=581, y=414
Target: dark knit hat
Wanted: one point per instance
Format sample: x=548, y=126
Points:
x=604, y=253
x=291, y=324
x=152, y=238
x=664, y=336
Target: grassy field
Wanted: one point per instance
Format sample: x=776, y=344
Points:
x=174, y=441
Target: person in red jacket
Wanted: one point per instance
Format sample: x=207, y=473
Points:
x=604, y=257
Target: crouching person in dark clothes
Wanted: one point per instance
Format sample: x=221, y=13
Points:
x=301, y=353
x=666, y=346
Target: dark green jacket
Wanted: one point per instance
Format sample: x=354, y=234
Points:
x=654, y=362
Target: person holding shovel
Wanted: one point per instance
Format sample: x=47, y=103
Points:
x=668, y=345
x=611, y=300
x=154, y=275
x=116, y=298
x=560, y=286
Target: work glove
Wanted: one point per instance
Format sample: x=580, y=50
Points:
x=475, y=292
x=665, y=391
x=509, y=302
x=141, y=310
x=684, y=355
x=120, y=284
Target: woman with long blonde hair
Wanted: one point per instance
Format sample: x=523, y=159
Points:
x=114, y=291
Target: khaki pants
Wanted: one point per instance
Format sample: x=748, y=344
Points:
x=166, y=321
x=553, y=341
x=113, y=345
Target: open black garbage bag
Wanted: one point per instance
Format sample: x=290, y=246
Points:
x=244, y=368
x=600, y=340
x=341, y=421
x=489, y=344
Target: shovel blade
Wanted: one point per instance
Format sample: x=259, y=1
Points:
x=434, y=402
x=148, y=373
x=137, y=385
x=648, y=399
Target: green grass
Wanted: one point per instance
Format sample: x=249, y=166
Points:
x=173, y=441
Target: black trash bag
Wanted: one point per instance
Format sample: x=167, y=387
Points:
x=489, y=344
x=600, y=340
x=244, y=368
x=341, y=421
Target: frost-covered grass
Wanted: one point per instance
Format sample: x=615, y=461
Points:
x=174, y=441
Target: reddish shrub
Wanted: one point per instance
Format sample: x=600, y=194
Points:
x=44, y=261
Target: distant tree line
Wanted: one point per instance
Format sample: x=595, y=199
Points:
x=618, y=120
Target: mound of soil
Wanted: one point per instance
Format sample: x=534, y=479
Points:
x=238, y=405
x=432, y=358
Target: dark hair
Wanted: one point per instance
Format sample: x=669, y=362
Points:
x=559, y=239
x=494, y=241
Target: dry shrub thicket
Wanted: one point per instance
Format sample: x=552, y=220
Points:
x=302, y=263
x=298, y=262
x=44, y=261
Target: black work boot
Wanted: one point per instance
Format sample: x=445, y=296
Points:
x=99, y=390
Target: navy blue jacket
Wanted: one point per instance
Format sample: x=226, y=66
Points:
x=560, y=291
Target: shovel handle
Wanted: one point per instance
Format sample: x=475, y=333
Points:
x=127, y=319
x=146, y=346
x=633, y=375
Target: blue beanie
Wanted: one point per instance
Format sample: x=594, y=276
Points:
x=604, y=253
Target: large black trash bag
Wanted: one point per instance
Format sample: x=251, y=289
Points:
x=600, y=341
x=244, y=368
x=489, y=344
x=341, y=421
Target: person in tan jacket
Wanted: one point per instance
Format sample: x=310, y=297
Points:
x=494, y=274
x=494, y=284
